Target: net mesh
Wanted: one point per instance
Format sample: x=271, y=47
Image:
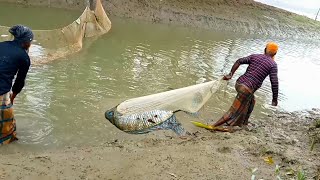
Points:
x=189, y=99
x=49, y=45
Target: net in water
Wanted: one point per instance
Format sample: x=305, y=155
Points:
x=49, y=45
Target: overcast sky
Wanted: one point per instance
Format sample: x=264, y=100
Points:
x=305, y=7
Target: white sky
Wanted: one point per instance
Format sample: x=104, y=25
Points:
x=305, y=7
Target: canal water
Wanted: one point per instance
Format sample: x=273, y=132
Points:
x=64, y=101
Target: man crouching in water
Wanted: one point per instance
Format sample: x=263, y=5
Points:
x=14, y=60
x=260, y=66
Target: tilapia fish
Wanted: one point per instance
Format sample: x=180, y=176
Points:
x=145, y=122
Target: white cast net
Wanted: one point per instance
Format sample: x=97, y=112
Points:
x=189, y=99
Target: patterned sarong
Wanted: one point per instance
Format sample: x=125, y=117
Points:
x=7, y=121
x=242, y=107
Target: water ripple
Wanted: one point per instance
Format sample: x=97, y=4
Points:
x=64, y=102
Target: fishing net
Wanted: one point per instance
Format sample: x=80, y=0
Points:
x=189, y=99
x=52, y=44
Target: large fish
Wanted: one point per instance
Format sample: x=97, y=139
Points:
x=157, y=111
x=145, y=122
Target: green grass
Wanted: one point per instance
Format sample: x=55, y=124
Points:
x=306, y=20
x=301, y=175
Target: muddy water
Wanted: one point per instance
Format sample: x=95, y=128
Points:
x=64, y=101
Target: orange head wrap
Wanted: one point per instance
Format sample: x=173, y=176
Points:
x=272, y=48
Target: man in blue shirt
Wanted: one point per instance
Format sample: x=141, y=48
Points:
x=14, y=61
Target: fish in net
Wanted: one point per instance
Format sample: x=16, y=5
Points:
x=49, y=45
x=157, y=112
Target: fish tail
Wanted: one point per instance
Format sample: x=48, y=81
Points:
x=171, y=124
x=176, y=126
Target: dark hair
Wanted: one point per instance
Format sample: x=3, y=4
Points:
x=21, y=33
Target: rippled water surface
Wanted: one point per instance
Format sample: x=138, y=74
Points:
x=64, y=101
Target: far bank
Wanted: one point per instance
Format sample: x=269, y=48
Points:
x=238, y=16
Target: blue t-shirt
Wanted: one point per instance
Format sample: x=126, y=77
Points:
x=14, y=60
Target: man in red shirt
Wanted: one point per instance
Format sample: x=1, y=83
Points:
x=260, y=66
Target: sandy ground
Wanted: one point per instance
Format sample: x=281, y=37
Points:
x=286, y=137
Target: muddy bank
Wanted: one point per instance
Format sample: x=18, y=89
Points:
x=286, y=137
x=239, y=16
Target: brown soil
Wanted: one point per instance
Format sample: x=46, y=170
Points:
x=286, y=137
x=239, y=16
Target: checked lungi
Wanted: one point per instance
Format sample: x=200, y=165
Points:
x=242, y=107
x=7, y=121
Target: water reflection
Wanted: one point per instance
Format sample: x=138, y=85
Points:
x=64, y=102
x=37, y=52
x=34, y=122
x=85, y=85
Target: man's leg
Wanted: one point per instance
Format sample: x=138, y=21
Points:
x=250, y=109
x=236, y=114
x=230, y=113
x=7, y=121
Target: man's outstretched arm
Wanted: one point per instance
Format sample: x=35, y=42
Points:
x=274, y=85
x=245, y=60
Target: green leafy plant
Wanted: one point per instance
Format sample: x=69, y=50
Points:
x=301, y=175
x=277, y=172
